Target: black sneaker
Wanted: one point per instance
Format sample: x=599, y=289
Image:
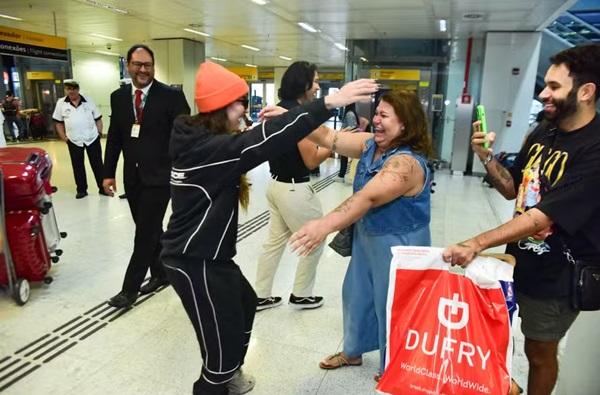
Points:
x=306, y=302
x=267, y=303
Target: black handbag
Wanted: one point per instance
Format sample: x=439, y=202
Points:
x=585, y=282
x=342, y=241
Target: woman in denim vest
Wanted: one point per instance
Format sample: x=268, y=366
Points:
x=390, y=206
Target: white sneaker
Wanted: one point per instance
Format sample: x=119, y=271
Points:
x=339, y=179
x=240, y=383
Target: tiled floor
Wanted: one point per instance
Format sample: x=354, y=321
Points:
x=152, y=348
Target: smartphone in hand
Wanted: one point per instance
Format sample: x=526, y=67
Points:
x=481, y=118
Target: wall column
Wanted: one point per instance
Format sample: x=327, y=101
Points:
x=507, y=87
x=277, y=75
x=177, y=61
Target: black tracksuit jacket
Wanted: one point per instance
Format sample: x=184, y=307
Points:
x=205, y=179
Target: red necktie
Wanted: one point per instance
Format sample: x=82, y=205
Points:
x=139, y=110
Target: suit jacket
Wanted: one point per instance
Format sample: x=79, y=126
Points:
x=146, y=158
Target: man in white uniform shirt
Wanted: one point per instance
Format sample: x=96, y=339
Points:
x=79, y=123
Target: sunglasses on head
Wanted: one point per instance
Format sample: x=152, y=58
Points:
x=243, y=101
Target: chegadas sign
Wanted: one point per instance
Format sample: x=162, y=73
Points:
x=37, y=45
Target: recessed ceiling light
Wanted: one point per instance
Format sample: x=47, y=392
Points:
x=107, y=53
x=364, y=59
x=251, y=48
x=14, y=18
x=307, y=27
x=219, y=59
x=260, y=2
x=106, y=6
x=473, y=16
x=327, y=37
x=341, y=46
x=443, y=26
x=197, y=32
x=106, y=37
x=251, y=65
x=284, y=57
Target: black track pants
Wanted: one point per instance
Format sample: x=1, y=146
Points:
x=221, y=305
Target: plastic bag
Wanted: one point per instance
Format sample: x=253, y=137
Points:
x=447, y=333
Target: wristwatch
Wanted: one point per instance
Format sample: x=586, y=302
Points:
x=488, y=158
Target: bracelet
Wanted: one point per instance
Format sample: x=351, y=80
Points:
x=487, y=159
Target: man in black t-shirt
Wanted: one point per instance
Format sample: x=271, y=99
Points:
x=556, y=183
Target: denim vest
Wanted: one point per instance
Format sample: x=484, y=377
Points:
x=402, y=215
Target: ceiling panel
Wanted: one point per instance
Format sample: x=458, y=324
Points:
x=272, y=28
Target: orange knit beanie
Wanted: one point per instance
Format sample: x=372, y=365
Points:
x=217, y=87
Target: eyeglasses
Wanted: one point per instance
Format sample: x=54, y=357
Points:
x=139, y=65
x=243, y=101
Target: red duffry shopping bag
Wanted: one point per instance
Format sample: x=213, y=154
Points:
x=447, y=333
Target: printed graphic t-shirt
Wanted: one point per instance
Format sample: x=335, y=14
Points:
x=558, y=173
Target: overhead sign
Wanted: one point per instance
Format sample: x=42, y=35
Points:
x=40, y=75
x=266, y=75
x=23, y=43
x=247, y=73
x=396, y=74
x=331, y=76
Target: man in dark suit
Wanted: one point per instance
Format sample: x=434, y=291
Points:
x=140, y=126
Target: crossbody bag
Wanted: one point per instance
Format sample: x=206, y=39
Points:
x=585, y=282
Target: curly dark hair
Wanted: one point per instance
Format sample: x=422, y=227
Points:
x=296, y=80
x=583, y=63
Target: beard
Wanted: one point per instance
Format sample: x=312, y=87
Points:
x=564, y=108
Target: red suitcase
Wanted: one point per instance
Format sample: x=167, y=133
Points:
x=27, y=246
x=27, y=174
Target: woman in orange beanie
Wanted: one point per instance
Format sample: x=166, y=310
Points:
x=209, y=158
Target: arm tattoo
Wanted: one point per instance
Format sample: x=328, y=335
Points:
x=345, y=206
x=505, y=174
x=399, y=168
x=536, y=223
x=335, y=139
x=500, y=177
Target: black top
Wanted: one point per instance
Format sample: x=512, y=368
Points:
x=566, y=189
x=205, y=179
x=289, y=164
x=10, y=108
x=146, y=158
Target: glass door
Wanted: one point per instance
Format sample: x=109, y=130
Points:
x=45, y=96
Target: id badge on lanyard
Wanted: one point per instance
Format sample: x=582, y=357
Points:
x=138, y=112
x=135, y=130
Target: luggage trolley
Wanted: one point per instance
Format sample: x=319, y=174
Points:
x=18, y=288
